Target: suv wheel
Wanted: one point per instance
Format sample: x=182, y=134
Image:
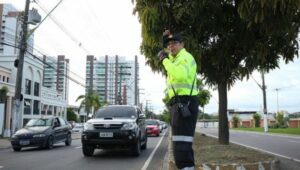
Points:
x=68, y=140
x=15, y=148
x=144, y=146
x=87, y=150
x=136, y=148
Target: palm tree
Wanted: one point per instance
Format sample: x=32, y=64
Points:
x=91, y=101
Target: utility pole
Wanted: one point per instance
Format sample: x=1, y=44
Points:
x=264, y=102
x=119, y=96
x=22, y=51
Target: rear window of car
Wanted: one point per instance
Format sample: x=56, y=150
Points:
x=151, y=122
x=119, y=111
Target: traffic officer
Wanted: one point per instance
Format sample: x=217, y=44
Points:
x=181, y=71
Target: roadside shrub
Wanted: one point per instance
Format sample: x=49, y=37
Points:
x=235, y=121
x=256, y=118
x=280, y=118
x=274, y=126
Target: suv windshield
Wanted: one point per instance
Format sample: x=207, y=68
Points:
x=39, y=122
x=116, y=111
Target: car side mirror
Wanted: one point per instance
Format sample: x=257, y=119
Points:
x=142, y=116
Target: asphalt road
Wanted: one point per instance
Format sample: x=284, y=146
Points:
x=71, y=157
x=284, y=147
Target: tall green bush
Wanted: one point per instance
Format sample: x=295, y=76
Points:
x=235, y=120
x=71, y=116
x=280, y=118
x=257, y=118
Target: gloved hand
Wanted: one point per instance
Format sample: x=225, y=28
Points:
x=166, y=34
x=162, y=54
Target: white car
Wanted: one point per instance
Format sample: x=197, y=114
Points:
x=78, y=128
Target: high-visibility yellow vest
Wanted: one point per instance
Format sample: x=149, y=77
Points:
x=181, y=71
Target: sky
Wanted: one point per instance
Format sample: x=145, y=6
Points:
x=98, y=27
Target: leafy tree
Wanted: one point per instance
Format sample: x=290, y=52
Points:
x=229, y=39
x=165, y=116
x=90, y=101
x=257, y=118
x=3, y=94
x=235, y=121
x=71, y=116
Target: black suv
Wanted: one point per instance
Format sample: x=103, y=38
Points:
x=115, y=126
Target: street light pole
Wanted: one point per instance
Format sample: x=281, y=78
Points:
x=277, y=100
x=22, y=51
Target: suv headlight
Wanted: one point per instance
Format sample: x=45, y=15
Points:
x=88, y=126
x=129, y=126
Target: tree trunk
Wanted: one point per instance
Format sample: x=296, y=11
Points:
x=223, y=119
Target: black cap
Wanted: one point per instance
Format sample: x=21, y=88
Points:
x=176, y=37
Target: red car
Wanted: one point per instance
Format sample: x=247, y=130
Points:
x=152, y=126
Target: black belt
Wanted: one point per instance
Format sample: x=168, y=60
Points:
x=182, y=99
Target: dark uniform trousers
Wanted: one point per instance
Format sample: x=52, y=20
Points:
x=183, y=130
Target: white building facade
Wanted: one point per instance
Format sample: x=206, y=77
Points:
x=37, y=100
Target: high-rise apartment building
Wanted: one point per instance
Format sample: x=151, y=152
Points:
x=10, y=28
x=56, y=73
x=114, y=78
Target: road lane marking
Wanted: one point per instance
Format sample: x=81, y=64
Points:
x=293, y=141
x=259, y=149
x=78, y=147
x=1, y=167
x=152, y=154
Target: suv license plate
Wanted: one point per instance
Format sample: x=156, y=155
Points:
x=24, y=142
x=106, y=134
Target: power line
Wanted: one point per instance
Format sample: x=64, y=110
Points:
x=35, y=57
x=49, y=58
x=64, y=29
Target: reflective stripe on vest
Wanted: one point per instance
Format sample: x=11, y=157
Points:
x=177, y=86
x=183, y=138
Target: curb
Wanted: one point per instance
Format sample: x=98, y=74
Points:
x=272, y=165
x=167, y=157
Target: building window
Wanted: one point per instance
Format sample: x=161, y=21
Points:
x=7, y=79
x=27, y=86
x=3, y=78
x=44, y=110
x=27, y=107
x=49, y=111
x=36, y=88
x=36, y=108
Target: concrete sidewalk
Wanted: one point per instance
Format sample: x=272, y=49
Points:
x=5, y=142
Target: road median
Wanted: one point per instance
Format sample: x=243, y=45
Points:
x=210, y=155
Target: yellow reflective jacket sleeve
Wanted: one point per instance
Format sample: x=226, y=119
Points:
x=177, y=70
